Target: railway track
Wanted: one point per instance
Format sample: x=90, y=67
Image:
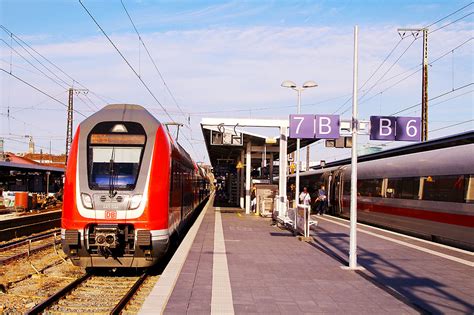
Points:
x=23, y=248
x=93, y=294
x=27, y=224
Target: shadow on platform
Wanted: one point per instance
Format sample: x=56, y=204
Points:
x=427, y=295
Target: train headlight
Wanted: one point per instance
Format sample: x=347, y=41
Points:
x=86, y=201
x=135, y=202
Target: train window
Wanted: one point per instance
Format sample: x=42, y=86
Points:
x=370, y=187
x=448, y=188
x=403, y=188
x=114, y=165
x=114, y=159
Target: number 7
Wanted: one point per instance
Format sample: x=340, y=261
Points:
x=301, y=119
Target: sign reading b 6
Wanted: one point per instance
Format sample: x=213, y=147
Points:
x=395, y=128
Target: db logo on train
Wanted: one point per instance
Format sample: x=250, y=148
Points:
x=111, y=214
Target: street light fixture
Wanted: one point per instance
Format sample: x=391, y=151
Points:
x=292, y=85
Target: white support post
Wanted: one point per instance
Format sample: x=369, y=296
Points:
x=241, y=183
x=282, y=170
x=248, y=168
x=353, y=211
x=239, y=188
x=271, y=169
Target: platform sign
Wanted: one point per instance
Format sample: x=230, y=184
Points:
x=382, y=127
x=302, y=126
x=314, y=126
x=395, y=128
x=408, y=129
x=326, y=126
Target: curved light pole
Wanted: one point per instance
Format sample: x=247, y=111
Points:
x=298, y=89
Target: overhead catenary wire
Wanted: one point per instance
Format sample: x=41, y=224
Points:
x=439, y=20
x=444, y=101
x=126, y=61
x=153, y=61
x=449, y=15
x=134, y=71
x=446, y=25
x=37, y=145
x=415, y=72
x=385, y=73
x=31, y=64
x=40, y=91
x=372, y=75
x=434, y=98
x=10, y=116
x=21, y=42
x=452, y=125
x=36, y=59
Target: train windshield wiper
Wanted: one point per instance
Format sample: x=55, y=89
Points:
x=112, y=191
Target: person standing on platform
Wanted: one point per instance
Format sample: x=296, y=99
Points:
x=321, y=201
x=305, y=197
x=253, y=198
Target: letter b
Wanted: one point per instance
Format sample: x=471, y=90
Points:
x=385, y=127
x=324, y=125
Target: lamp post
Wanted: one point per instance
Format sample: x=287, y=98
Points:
x=298, y=89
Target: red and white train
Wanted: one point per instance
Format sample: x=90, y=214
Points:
x=425, y=189
x=129, y=189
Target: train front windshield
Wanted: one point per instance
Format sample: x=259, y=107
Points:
x=114, y=158
x=116, y=166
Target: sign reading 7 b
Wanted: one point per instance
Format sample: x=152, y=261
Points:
x=314, y=126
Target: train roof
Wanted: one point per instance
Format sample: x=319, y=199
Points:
x=445, y=142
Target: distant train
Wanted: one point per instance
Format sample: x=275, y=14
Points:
x=425, y=189
x=129, y=188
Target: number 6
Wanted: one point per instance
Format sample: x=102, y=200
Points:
x=412, y=127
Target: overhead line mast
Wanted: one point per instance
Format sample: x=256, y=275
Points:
x=424, y=76
x=70, y=109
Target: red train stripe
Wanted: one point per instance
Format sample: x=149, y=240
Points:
x=442, y=217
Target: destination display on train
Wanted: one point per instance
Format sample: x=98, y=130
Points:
x=117, y=139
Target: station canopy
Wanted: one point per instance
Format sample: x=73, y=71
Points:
x=226, y=146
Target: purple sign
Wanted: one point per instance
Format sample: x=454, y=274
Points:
x=326, y=126
x=382, y=127
x=395, y=128
x=408, y=129
x=302, y=126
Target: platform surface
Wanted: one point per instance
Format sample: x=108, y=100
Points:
x=241, y=264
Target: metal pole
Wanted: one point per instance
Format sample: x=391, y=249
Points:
x=307, y=158
x=353, y=214
x=297, y=184
x=424, y=89
x=282, y=171
x=69, y=123
x=47, y=183
x=248, y=168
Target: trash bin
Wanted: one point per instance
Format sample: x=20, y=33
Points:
x=21, y=200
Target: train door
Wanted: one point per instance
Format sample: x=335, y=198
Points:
x=337, y=188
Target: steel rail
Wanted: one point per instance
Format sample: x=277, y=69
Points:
x=16, y=243
x=127, y=297
x=41, y=307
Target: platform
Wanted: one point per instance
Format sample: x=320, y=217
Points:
x=241, y=264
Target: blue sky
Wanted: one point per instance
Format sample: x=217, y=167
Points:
x=229, y=58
